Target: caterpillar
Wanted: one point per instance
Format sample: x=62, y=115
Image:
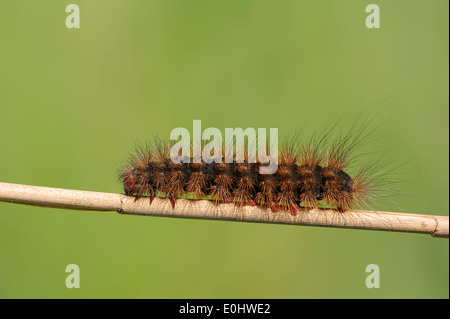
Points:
x=312, y=175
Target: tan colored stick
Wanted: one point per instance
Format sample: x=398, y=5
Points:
x=437, y=226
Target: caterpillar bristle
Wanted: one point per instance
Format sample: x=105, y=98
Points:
x=312, y=175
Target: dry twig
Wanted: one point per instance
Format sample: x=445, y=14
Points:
x=437, y=226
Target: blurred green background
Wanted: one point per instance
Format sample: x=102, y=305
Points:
x=73, y=101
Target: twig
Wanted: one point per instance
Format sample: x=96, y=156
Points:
x=437, y=226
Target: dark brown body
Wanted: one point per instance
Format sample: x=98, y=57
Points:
x=293, y=184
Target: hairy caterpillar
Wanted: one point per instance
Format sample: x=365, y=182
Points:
x=312, y=175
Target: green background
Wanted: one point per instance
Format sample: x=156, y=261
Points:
x=74, y=101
